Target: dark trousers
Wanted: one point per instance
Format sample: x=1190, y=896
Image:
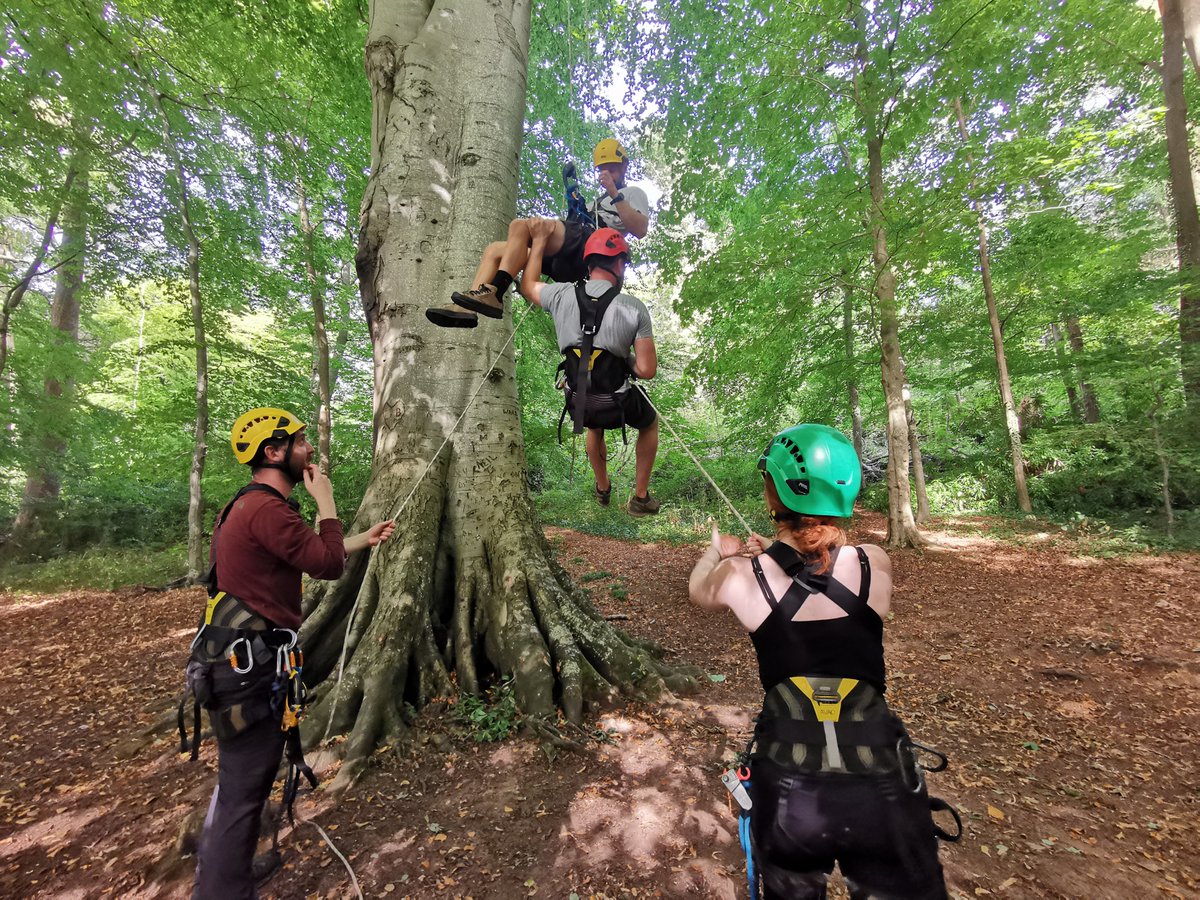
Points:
x=878, y=831
x=247, y=765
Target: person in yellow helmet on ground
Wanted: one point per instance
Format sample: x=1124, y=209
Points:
x=252, y=691
x=620, y=206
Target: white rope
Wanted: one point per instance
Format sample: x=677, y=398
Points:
x=686, y=450
x=400, y=509
x=338, y=854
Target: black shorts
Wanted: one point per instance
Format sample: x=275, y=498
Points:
x=567, y=264
x=878, y=831
x=611, y=411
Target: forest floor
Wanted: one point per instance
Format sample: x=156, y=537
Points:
x=1063, y=687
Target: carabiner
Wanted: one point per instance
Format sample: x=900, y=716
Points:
x=233, y=660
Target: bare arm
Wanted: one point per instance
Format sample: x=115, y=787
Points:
x=372, y=537
x=645, y=358
x=531, y=276
x=713, y=570
x=638, y=223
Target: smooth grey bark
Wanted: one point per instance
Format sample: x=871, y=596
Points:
x=1165, y=463
x=39, y=502
x=852, y=400
x=15, y=294
x=467, y=588
x=1011, y=421
x=1089, y=405
x=195, y=557
x=1183, y=199
x=316, y=297
x=918, y=464
x=902, y=527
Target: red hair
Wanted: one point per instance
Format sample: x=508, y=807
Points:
x=814, y=537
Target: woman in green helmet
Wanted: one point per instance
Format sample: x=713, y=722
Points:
x=835, y=777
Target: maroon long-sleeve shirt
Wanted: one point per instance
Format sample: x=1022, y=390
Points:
x=263, y=548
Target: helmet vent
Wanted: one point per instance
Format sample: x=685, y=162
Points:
x=841, y=481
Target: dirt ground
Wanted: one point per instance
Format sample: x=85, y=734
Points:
x=1062, y=686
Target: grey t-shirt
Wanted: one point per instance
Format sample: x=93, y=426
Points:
x=626, y=320
x=604, y=209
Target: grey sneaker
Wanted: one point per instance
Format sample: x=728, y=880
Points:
x=603, y=496
x=451, y=317
x=642, y=506
x=481, y=300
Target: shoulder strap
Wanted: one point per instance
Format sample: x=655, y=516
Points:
x=591, y=316
x=210, y=579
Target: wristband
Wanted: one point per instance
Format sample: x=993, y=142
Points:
x=620, y=196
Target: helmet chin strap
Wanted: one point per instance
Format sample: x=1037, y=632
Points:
x=284, y=465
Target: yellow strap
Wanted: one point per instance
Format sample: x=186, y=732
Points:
x=212, y=605
x=826, y=699
x=595, y=353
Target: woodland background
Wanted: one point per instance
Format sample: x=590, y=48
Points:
x=179, y=197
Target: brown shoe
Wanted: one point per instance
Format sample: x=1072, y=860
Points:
x=451, y=316
x=481, y=300
x=603, y=496
x=642, y=506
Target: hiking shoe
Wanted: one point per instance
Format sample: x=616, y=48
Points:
x=603, y=496
x=265, y=866
x=642, y=506
x=482, y=300
x=451, y=317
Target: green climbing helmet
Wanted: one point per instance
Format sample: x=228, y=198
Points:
x=815, y=470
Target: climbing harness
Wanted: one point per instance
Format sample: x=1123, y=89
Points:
x=577, y=209
x=600, y=377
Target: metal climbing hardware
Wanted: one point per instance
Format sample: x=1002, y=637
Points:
x=737, y=782
x=577, y=210
x=826, y=696
x=737, y=789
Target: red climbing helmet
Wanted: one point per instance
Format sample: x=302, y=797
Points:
x=606, y=242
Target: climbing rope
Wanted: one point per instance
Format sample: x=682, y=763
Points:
x=703, y=471
x=404, y=503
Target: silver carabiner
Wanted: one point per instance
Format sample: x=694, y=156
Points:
x=292, y=642
x=232, y=651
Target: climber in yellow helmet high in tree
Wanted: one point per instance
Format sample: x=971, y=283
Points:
x=619, y=206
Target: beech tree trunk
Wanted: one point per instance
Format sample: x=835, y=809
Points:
x=39, y=502
x=1090, y=406
x=1011, y=422
x=1065, y=372
x=16, y=294
x=852, y=379
x=316, y=296
x=1183, y=200
x=918, y=464
x=467, y=589
x=195, y=560
x=902, y=528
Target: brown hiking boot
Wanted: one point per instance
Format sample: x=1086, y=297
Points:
x=451, y=316
x=603, y=496
x=642, y=506
x=481, y=300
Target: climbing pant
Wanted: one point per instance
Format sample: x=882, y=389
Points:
x=567, y=265
x=247, y=765
x=878, y=830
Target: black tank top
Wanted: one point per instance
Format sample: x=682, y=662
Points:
x=850, y=646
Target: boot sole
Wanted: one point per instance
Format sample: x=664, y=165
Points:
x=447, y=319
x=637, y=514
x=476, y=306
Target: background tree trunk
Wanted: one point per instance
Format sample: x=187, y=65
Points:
x=918, y=465
x=852, y=400
x=468, y=584
x=1011, y=422
x=43, y=480
x=316, y=296
x=1090, y=406
x=902, y=528
x=1183, y=200
x=200, y=446
x=16, y=293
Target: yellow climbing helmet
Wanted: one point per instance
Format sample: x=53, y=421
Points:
x=610, y=150
x=261, y=424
